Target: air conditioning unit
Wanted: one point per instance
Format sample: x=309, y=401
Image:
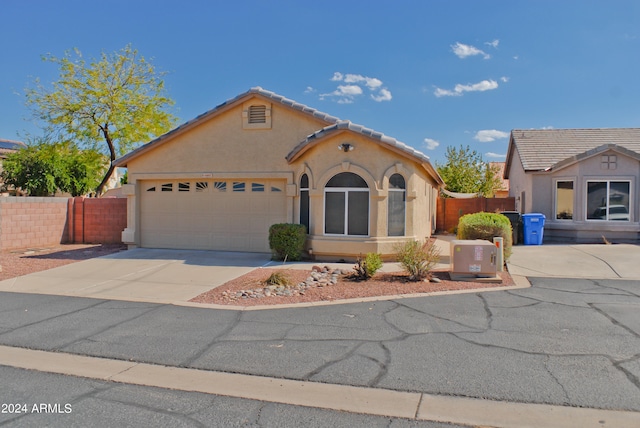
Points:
x=473, y=257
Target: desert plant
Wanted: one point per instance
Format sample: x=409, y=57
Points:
x=417, y=259
x=286, y=240
x=367, y=267
x=278, y=278
x=484, y=225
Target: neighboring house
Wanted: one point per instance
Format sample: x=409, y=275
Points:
x=503, y=191
x=6, y=148
x=585, y=181
x=220, y=180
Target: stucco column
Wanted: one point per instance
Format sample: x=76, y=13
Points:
x=129, y=233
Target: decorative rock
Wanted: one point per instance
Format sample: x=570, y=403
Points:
x=319, y=277
x=436, y=280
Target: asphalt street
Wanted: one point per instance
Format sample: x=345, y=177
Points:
x=43, y=399
x=569, y=342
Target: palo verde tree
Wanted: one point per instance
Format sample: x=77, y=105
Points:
x=466, y=172
x=113, y=104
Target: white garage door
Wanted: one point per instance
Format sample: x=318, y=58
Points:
x=216, y=214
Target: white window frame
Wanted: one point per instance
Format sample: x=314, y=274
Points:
x=608, y=181
x=346, y=191
x=404, y=220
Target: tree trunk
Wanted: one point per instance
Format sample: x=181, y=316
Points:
x=112, y=151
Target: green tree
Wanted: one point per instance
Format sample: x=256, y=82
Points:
x=466, y=172
x=42, y=168
x=112, y=105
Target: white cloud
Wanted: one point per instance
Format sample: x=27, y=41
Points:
x=463, y=51
x=495, y=155
x=493, y=43
x=309, y=90
x=488, y=135
x=346, y=94
x=504, y=79
x=370, y=82
x=431, y=144
x=485, y=85
x=384, y=95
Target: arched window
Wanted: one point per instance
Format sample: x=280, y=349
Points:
x=304, y=201
x=346, y=205
x=396, y=211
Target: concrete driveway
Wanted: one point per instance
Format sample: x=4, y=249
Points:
x=141, y=275
x=597, y=261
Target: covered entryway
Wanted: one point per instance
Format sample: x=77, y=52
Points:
x=213, y=214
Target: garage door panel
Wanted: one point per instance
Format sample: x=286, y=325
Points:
x=210, y=215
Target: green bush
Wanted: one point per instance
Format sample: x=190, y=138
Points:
x=487, y=226
x=367, y=267
x=286, y=240
x=417, y=259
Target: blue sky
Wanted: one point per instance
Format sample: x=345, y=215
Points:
x=430, y=73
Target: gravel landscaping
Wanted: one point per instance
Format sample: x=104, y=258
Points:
x=251, y=289
x=26, y=261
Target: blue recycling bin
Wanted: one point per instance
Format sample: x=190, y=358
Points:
x=533, y=228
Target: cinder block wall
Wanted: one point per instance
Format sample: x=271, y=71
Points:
x=32, y=222
x=104, y=220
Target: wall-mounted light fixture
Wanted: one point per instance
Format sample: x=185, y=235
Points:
x=346, y=147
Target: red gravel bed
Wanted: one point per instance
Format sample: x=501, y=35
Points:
x=382, y=284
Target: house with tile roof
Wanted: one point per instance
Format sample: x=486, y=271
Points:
x=583, y=180
x=220, y=180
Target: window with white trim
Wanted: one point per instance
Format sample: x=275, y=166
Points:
x=346, y=205
x=396, y=207
x=608, y=200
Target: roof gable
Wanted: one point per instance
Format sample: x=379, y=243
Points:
x=377, y=137
x=546, y=149
x=225, y=106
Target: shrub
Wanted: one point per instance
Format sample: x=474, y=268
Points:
x=279, y=278
x=487, y=226
x=368, y=267
x=417, y=259
x=286, y=240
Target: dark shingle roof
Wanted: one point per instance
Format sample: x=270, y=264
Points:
x=542, y=149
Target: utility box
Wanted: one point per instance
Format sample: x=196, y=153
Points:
x=473, y=257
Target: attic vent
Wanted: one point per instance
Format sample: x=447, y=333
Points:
x=258, y=114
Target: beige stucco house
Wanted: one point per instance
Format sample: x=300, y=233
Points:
x=220, y=180
x=585, y=181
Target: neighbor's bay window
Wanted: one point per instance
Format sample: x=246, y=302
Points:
x=608, y=200
x=346, y=205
